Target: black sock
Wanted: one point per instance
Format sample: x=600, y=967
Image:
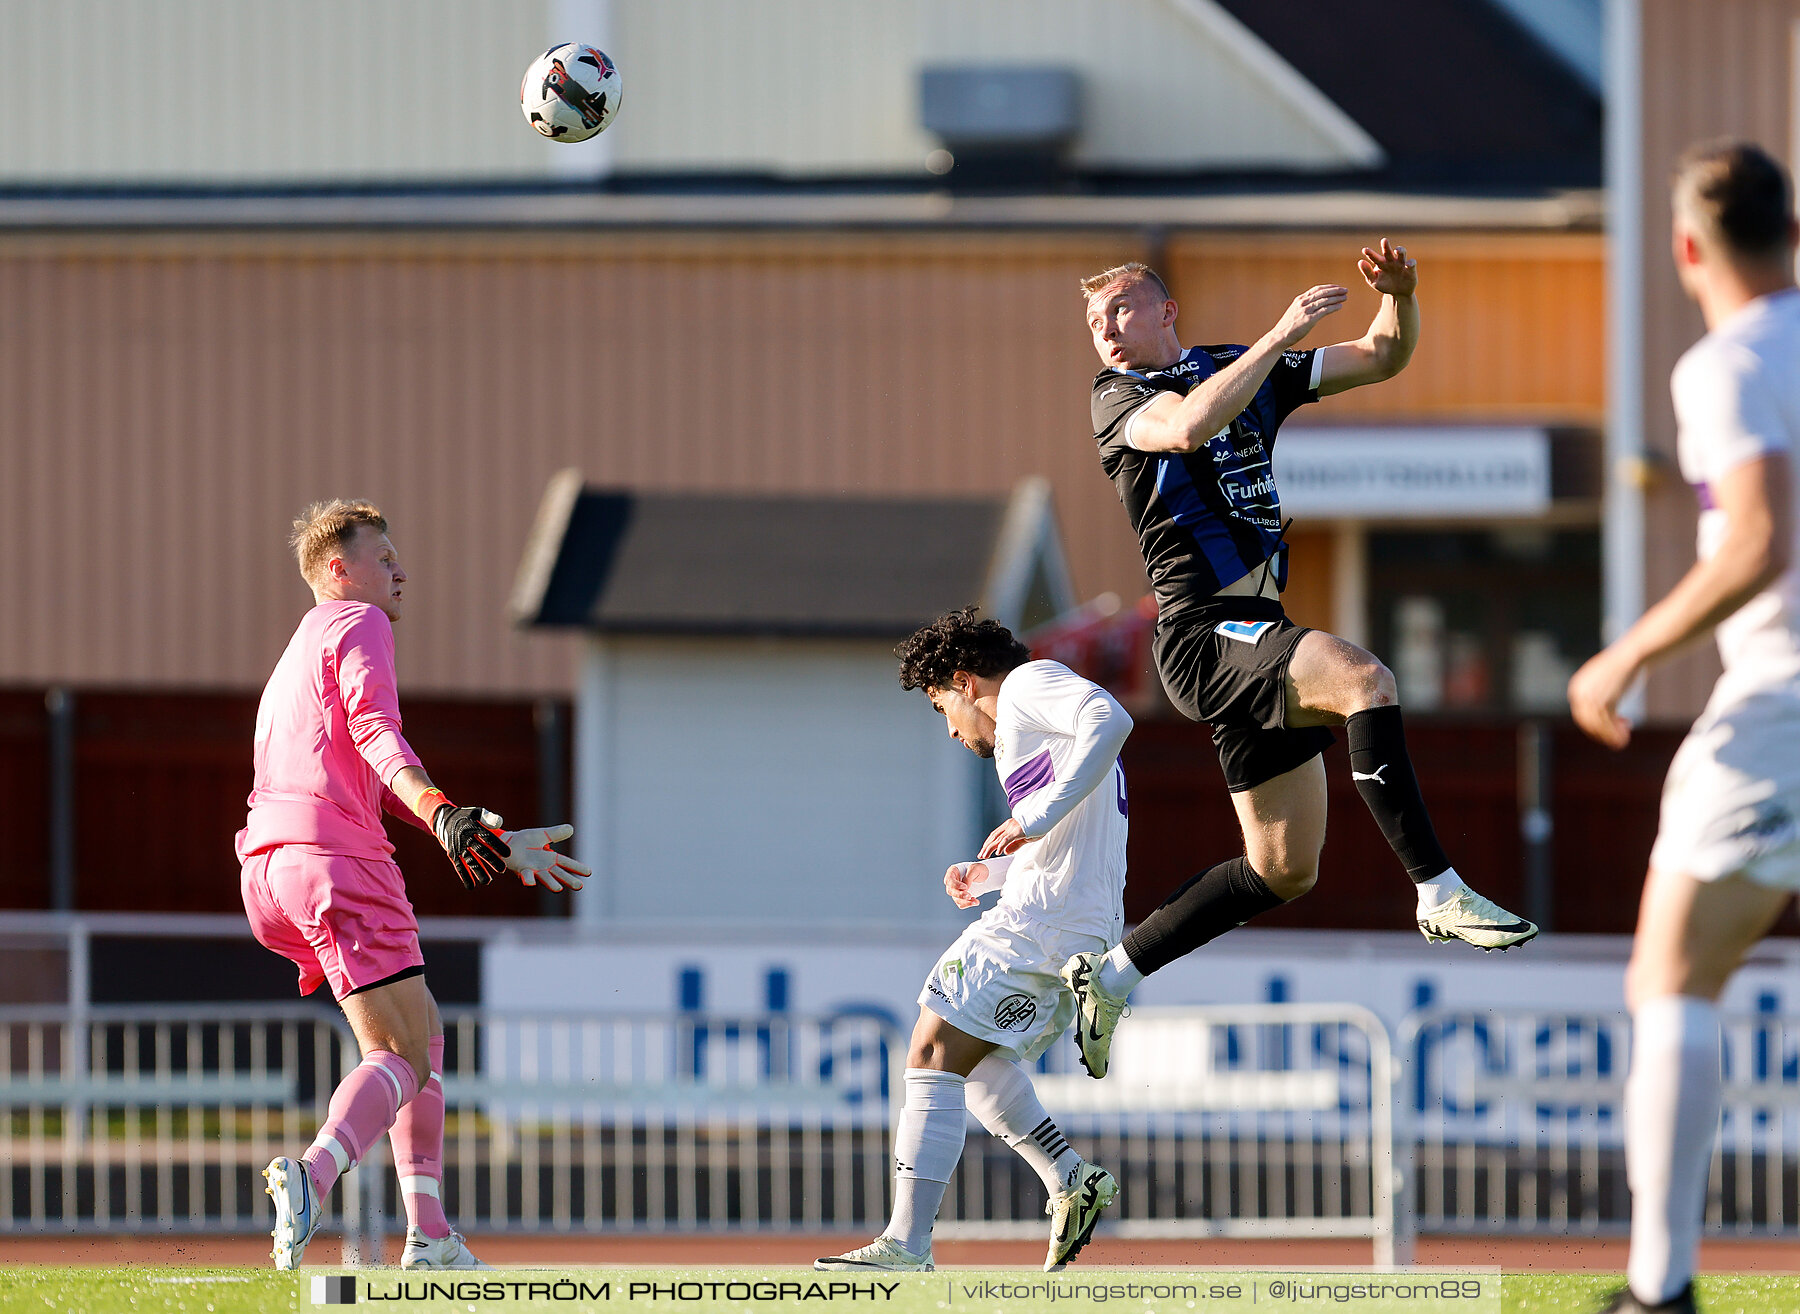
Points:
x=1214, y=902
x=1384, y=777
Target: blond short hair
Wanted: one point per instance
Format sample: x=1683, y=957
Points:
x=325, y=529
x=1132, y=270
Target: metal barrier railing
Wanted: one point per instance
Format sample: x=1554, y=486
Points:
x=667, y=1123
x=1258, y=1120
x=1514, y=1120
x=1272, y=1120
x=128, y=1119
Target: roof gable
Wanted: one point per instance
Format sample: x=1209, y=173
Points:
x=673, y=563
x=1482, y=100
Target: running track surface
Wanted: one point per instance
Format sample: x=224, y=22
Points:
x=1509, y=1253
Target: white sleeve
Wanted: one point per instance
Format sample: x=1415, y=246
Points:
x=1131, y=426
x=1725, y=412
x=1099, y=727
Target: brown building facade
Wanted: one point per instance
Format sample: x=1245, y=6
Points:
x=1704, y=69
x=169, y=397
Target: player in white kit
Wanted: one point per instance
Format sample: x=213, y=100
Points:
x=995, y=1000
x=1727, y=854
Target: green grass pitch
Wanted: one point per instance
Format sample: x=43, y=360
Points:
x=149, y=1290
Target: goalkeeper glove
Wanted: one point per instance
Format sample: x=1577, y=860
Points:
x=472, y=838
x=535, y=861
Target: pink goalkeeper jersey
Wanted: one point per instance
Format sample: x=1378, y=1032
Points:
x=328, y=738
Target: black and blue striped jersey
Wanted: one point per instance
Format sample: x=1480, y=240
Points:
x=1208, y=518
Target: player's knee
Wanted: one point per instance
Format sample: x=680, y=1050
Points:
x=1374, y=685
x=925, y=1052
x=417, y=1056
x=1653, y=975
x=1290, y=878
x=926, y=1049
x=1644, y=981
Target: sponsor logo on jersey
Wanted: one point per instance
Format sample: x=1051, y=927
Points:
x=1243, y=631
x=952, y=967
x=1015, y=1012
x=1252, y=487
x=1130, y=389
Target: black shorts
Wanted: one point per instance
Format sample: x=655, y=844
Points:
x=1225, y=663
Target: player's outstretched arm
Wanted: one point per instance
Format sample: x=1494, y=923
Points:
x=1101, y=728
x=470, y=836
x=1383, y=351
x=1758, y=507
x=1186, y=424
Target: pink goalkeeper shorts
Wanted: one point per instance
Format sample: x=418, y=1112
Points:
x=346, y=921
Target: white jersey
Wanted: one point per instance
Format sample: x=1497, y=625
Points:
x=1737, y=397
x=1056, y=748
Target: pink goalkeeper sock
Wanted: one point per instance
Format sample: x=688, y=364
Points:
x=418, y=1140
x=362, y=1107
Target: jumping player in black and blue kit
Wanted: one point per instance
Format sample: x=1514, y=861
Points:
x=1185, y=434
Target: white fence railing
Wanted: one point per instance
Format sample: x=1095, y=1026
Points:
x=1283, y=1119
x=128, y=1119
x=1272, y=1120
x=1252, y=1120
x=1516, y=1122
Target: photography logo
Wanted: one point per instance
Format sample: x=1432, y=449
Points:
x=334, y=1290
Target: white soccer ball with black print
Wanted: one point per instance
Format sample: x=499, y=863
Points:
x=570, y=92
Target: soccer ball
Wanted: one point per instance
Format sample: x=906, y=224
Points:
x=570, y=92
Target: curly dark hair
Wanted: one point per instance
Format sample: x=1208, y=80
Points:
x=954, y=642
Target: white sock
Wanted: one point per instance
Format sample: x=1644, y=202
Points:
x=1118, y=976
x=928, y=1140
x=916, y=1205
x=1002, y=1098
x=1672, y=1102
x=1439, y=890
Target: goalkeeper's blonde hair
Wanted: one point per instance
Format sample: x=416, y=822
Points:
x=325, y=529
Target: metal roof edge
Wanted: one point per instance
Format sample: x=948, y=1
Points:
x=760, y=628
x=543, y=546
x=1294, y=88
x=1561, y=210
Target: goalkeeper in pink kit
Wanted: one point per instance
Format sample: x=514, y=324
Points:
x=321, y=887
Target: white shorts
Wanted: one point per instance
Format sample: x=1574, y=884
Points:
x=1001, y=981
x=1731, y=802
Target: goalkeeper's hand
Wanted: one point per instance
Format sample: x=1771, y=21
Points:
x=473, y=839
x=538, y=863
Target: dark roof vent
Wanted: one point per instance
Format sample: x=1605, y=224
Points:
x=1009, y=125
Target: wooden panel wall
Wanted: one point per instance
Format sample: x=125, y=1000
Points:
x=1512, y=327
x=170, y=400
